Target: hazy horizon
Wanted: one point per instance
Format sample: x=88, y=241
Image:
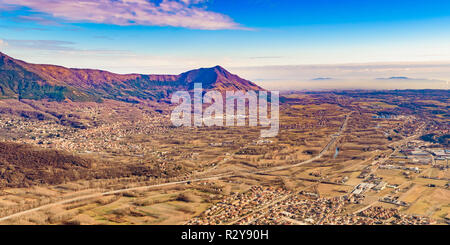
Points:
x=328, y=77
x=283, y=44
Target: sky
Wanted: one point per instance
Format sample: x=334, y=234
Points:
x=276, y=43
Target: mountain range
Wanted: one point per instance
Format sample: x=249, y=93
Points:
x=22, y=80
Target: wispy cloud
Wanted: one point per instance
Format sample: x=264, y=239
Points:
x=21, y=28
x=54, y=45
x=103, y=37
x=37, y=18
x=265, y=57
x=58, y=47
x=178, y=13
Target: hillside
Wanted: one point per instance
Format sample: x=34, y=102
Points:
x=22, y=80
x=23, y=165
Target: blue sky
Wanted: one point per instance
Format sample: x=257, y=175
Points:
x=171, y=36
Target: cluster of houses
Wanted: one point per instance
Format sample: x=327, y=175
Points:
x=285, y=207
x=394, y=200
x=238, y=205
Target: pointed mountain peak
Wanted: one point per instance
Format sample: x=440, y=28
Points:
x=216, y=69
x=220, y=68
x=216, y=77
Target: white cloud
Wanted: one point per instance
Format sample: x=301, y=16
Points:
x=3, y=43
x=178, y=13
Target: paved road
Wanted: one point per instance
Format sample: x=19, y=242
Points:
x=219, y=176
